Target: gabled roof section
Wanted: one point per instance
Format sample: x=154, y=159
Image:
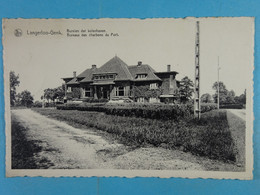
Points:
x=143, y=69
x=67, y=79
x=116, y=65
x=73, y=81
x=87, y=75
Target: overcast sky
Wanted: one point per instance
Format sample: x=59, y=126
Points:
x=41, y=61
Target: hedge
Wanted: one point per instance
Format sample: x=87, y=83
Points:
x=206, y=107
x=152, y=111
x=92, y=100
x=231, y=106
x=82, y=106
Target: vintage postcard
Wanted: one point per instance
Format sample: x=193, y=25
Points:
x=129, y=97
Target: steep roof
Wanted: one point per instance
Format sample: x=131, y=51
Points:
x=116, y=65
x=87, y=75
x=73, y=81
x=143, y=69
x=123, y=71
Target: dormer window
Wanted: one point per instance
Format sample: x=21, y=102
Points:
x=141, y=76
x=104, y=77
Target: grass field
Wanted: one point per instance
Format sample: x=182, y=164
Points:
x=209, y=137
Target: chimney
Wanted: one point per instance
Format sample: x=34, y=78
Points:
x=94, y=66
x=74, y=74
x=169, y=68
x=139, y=63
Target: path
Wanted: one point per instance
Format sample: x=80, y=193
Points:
x=68, y=147
x=237, y=126
x=241, y=113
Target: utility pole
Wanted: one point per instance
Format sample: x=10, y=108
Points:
x=197, y=74
x=218, y=82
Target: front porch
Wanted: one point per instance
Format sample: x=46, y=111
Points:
x=103, y=91
x=106, y=91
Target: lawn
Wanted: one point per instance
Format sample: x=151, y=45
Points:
x=209, y=136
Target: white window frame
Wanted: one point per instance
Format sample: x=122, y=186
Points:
x=69, y=89
x=120, y=90
x=141, y=76
x=141, y=100
x=87, y=91
x=154, y=86
x=153, y=100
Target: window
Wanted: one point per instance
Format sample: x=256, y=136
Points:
x=69, y=89
x=153, y=100
x=141, y=100
x=154, y=86
x=141, y=76
x=120, y=91
x=87, y=91
x=103, y=77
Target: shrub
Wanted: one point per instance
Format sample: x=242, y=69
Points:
x=50, y=104
x=67, y=106
x=37, y=104
x=206, y=107
x=152, y=111
x=99, y=107
x=231, y=106
x=92, y=100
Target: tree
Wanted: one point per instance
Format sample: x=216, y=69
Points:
x=230, y=97
x=186, y=89
x=48, y=94
x=54, y=94
x=222, y=92
x=75, y=92
x=59, y=93
x=26, y=98
x=145, y=92
x=14, y=82
x=225, y=96
x=241, y=99
x=18, y=99
x=206, y=98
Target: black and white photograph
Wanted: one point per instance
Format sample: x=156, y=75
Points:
x=129, y=97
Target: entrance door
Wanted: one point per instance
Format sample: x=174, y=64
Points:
x=103, y=92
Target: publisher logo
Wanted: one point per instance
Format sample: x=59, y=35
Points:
x=18, y=32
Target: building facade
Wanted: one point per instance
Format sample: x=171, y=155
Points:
x=115, y=80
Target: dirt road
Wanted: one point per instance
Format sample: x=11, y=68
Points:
x=68, y=147
x=241, y=113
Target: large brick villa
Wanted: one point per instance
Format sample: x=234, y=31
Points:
x=115, y=79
